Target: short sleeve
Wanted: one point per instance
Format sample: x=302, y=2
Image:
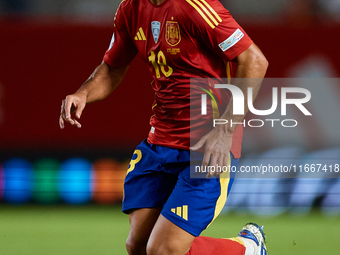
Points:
x=122, y=49
x=219, y=31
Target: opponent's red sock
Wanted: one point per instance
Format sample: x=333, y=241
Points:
x=217, y=246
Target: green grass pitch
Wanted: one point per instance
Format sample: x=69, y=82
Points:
x=89, y=230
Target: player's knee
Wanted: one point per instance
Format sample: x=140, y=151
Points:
x=135, y=247
x=154, y=248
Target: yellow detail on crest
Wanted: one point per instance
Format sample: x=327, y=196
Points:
x=172, y=34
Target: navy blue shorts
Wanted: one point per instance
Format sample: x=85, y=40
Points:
x=159, y=177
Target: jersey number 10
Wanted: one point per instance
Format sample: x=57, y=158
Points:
x=160, y=64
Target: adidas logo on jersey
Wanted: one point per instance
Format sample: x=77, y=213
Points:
x=140, y=36
x=181, y=211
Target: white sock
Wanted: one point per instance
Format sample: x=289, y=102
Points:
x=249, y=244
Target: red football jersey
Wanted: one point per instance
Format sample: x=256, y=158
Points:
x=179, y=40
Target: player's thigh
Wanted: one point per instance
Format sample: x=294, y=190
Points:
x=147, y=183
x=191, y=207
x=142, y=222
x=168, y=238
x=195, y=202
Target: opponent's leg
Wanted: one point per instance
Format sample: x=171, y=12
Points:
x=141, y=223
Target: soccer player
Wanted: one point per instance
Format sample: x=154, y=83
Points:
x=179, y=40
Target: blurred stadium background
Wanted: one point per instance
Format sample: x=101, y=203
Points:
x=61, y=190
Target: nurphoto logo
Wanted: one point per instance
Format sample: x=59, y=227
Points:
x=239, y=103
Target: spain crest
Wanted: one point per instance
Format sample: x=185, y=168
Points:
x=172, y=34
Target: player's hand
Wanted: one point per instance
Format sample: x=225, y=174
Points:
x=217, y=145
x=74, y=103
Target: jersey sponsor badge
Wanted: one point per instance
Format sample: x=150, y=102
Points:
x=155, y=28
x=232, y=40
x=172, y=33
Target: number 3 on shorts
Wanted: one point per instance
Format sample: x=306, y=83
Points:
x=133, y=162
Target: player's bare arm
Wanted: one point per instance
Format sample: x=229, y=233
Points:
x=98, y=86
x=251, y=64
